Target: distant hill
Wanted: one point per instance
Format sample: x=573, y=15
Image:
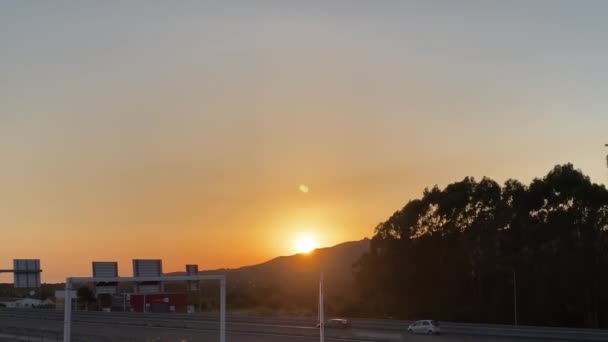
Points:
x=298, y=274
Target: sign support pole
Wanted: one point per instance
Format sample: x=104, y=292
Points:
x=67, y=323
x=223, y=310
x=67, y=312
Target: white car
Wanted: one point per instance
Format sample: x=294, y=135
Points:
x=425, y=326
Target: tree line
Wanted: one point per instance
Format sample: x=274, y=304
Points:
x=463, y=253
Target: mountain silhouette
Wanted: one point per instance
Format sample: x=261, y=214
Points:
x=299, y=274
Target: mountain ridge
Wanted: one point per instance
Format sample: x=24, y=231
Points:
x=282, y=257
x=298, y=274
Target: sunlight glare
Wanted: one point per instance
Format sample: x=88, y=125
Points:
x=305, y=244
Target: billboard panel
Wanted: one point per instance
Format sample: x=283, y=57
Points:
x=27, y=273
x=105, y=269
x=147, y=267
x=192, y=270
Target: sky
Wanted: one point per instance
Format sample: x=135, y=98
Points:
x=184, y=130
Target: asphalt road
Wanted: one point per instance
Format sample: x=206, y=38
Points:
x=31, y=329
x=115, y=326
x=50, y=330
x=107, y=327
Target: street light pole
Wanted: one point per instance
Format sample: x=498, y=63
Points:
x=515, y=296
x=321, y=311
x=67, y=312
x=606, y=156
x=223, y=309
x=606, y=145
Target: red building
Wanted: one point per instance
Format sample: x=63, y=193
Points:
x=159, y=302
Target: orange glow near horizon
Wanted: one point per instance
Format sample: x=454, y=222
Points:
x=221, y=135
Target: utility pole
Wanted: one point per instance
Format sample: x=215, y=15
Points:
x=515, y=296
x=606, y=145
x=321, y=311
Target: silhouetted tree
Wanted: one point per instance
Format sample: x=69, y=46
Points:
x=85, y=296
x=105, y=300
x=453, y=253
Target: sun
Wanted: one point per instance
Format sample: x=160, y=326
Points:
x=305, y=244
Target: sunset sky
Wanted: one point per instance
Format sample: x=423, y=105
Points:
x=184, y=130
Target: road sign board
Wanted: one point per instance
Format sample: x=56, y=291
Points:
x=147, y=267
x=192, y=270
x=26, y=273
x=105, y=269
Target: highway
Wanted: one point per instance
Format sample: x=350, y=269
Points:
x=49, y=330
x=99, y=326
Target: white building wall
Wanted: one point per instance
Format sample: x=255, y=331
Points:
x=22, y=303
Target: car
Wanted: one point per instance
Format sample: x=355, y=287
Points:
x=337, y=323
x=425, y=326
